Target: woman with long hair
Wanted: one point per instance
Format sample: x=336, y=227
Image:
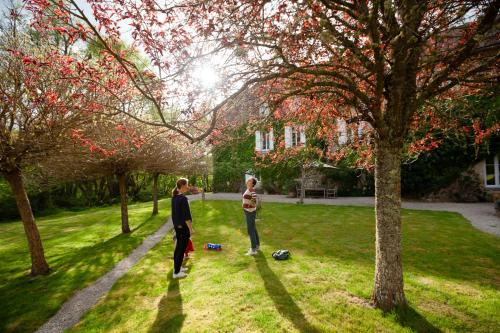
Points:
x=182, y=220
x=250, y=209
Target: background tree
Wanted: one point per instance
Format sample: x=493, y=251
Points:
x=164, y=157
x=167, y=78
x=115, y=147
x=39, y=105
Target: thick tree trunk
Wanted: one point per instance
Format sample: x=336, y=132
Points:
x=122, y=181
x=388, y=293
x=155, y=193
x=38, y=263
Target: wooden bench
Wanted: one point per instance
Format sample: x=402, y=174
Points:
x=327, y=192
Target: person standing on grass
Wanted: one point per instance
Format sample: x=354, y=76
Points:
x=250, y=209
x=182, y=220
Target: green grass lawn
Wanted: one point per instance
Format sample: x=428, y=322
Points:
x=452, y=276
x=79, y=247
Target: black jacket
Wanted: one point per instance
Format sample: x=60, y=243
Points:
x=180, y=211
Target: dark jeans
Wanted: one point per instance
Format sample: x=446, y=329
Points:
x=252, y=230
x=182, y=235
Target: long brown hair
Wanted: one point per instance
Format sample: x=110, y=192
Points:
x=180, y=183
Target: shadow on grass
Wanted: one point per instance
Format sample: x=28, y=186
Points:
x=149, y=219
x=281, y=298
x=408, y=317
x=170, y=317
x=29, y=301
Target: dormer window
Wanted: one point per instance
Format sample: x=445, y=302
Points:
x=264, y=111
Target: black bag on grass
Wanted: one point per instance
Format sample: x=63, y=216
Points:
x=281, y=254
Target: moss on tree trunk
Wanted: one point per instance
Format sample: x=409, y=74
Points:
x=388, y=292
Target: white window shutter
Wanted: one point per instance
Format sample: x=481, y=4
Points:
x=271, y=139
x=343, y=138
x=258, y=141
x=288, y=137
x=303, y=137
x=342, y=131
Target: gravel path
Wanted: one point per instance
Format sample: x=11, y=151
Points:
x=71, y=311
x=480, y=215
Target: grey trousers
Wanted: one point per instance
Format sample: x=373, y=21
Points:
x=252, y=230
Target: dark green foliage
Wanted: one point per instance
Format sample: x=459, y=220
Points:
x=279, y=178
x=351, y=182
x=458, y=151
x=79, y=195
x=435, y=169
x=236, y=156
x=232, y=160
x=8, y=208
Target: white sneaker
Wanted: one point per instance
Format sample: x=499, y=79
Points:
x=257, y=248
x=251, y=252
x=184, y=269
x=180, y=275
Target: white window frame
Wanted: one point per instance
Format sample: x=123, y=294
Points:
x=258, y=141
x=496, y=170
x=264, y=141
x=295, y=136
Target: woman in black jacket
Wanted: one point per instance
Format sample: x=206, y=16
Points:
x=181, y=217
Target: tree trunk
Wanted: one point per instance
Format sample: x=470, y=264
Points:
x=38, y=263
x=388, y=291
x=155, y=193
x=302, y=185
x=203, y=187
x=122, y=181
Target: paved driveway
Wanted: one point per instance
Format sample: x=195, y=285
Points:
x=481, y=215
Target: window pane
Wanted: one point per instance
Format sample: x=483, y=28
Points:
x=268, y=141
x=490, y=174
x=497, y=167
x=295, y=137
